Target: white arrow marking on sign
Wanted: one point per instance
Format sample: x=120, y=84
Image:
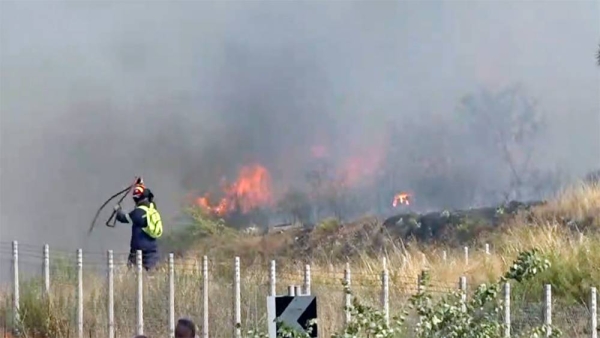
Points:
x=294, y=310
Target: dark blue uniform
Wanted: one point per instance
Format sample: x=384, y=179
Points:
x=139, y=239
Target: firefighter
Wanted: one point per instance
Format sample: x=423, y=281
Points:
x=146, y=226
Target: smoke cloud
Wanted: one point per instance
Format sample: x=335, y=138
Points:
x=184, y=93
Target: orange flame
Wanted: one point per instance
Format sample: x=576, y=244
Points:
x=251, y=190
x=363, y=166
x=401, y=198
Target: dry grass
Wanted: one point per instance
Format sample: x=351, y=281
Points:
x=575, y=268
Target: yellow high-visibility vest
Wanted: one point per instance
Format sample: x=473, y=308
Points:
x=154, y=226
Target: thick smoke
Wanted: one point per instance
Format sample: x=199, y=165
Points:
x=184, y=93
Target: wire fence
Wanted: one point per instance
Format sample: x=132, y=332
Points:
x=90, y=294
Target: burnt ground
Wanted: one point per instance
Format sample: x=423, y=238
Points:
x=332, y=241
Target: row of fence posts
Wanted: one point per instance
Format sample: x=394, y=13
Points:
x=445, y=255
x=292, y=290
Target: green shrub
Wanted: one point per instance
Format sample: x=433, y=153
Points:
x=202, y=226
x=328, y=225
x=571, y=278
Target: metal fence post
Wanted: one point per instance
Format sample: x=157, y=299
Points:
x=79, y=293
x=385, y=293
x=111, y=295
x=307, y=279
x=171, y=296
x=205, y=296
x=462, y=285
x=421, y=282
x=347, y=295
x=273, y=278
x=548, y=308
x=237, y=320
x=46, y=270
x=466, y=255
x=593, y=313
x=421, y=287
x=16, y=296
x=507, y=310
x=140, y=294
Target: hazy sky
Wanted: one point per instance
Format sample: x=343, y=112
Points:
x=93, y=93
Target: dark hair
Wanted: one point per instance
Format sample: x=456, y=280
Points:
x=186, y=326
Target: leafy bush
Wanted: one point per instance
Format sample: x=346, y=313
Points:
x=570, y=276
x=328, y=226
x=203, y=225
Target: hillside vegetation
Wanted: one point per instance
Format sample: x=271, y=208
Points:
x=554, y=242
x=574, y=211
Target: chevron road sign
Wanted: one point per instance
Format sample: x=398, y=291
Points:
x=294, y=311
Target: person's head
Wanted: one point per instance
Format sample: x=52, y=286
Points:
x=140, y=193
x=185, y=329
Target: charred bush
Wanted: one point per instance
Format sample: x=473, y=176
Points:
x=453, y=227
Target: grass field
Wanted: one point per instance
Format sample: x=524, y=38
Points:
x=564, y=230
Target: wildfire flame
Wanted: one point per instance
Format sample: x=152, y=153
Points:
x=363, y=167
x=401, y=198
x=251, y=190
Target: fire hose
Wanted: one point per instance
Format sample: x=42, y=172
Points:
x=123, y=193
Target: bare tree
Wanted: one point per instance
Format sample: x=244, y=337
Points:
x=296, y=204
x=508, y=122
x=329, y=192
x=317, y=179
x=427, y=159
x=338, y=197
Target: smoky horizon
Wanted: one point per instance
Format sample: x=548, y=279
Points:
x=338, y=105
